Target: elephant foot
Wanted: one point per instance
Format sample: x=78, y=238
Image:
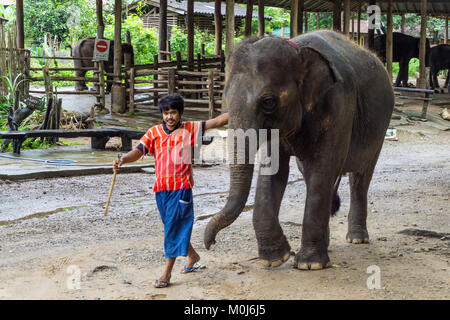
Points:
x=275, y=254
x=357, y=237
x=312, y=259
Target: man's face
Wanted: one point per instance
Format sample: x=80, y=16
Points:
x=171, y=118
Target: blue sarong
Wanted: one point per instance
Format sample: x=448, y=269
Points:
x=176, y=209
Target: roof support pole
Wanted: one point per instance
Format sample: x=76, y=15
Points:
x=229, y=27
x=359, y=22
x=190, y=30
x=248, y=19
x=100, y=23
x=337, y=15
x=117, y=90
x=218, y=26
x=389, y=40
x=403, y=23
x=446, y=30
x=306, y=21
x=294, y=18
x=162, y=39
x=371, y=37
x=422, y=50
x=261, y=22
x=20, y=41
x=347, y=18
x=300, y=16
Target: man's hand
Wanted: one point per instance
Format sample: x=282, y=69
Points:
x=131, y=156
x=219, y=121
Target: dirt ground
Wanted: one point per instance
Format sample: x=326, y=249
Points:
x=71, y=250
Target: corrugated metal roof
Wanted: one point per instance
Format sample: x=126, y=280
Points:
x=7, y=2
x=208, y=8
x=434, y=7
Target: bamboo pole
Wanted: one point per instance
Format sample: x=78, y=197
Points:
x=248, y=18
x=389, y=40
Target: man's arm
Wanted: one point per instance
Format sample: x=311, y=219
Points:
x=217, y=122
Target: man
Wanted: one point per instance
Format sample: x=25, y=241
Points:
x=171, y=144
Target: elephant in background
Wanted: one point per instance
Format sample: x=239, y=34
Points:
x=439, y=60
x=404, y=48
x=331, y=102
x=85, y=48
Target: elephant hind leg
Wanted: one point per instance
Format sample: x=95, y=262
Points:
x=357, y=217
x=336, y=201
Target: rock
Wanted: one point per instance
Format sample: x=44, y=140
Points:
x=445, y=114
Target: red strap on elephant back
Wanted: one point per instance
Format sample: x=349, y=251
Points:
x=296, y=45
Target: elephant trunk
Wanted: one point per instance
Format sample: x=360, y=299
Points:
x=240, y=183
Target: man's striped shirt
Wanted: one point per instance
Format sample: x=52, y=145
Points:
x=173, y=154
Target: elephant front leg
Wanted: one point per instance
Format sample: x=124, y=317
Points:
x=313, y=254
x=80, y=85
x=273, y=247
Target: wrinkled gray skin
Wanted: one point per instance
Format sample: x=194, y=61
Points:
x=339, y=100
x=84, y=49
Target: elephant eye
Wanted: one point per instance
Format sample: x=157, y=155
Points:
x=268, y=104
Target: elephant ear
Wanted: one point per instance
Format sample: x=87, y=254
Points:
x=318, y=75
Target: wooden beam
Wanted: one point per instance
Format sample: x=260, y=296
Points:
x=248, y=18
x=20, y=37
x=294, y=18
x=261, y=22
x=162, y=38
x=306, y=21
x=389, y=40
x=359, y=23
x=218, y=25
x=347, y=18
x=318, y=20
x=229, y=27
x=422, y=51
x=190, y=30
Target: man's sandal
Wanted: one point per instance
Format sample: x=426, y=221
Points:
x=190, y=269
x=161, y=283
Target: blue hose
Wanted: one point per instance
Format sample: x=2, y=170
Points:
x=56, y=162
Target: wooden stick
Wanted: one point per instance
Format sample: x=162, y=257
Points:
x=111, y=188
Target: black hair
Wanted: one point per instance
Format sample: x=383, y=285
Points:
x=172, y=101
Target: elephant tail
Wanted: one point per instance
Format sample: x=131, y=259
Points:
x=336, y=201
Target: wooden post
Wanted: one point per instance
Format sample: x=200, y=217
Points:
x=155, y=77
x=101, y=84
x=403, y=23
x=261, y=22
x=118, y=91
x=306, y=22
x=20, y=37
x=190, y=30
x=294, y=18
x=230, y=27
x=359, y=24
x=131, y=99
x=446, y=30
x=371, y=37
x=347, y=18
x=248, y=19
x=337, y=15
x=171, y=80
x=318, y=20
x=353, y=26
x=422, y=49
x=389, y=40
x=218, y=25
x=211, y=93
x=162, y=39
x=100, y=23
x=300, y=16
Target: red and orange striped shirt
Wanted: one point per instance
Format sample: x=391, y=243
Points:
x=173, y=154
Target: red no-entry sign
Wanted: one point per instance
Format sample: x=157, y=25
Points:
x=101, y=49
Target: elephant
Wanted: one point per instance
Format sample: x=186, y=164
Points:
x=404, y=48
x=331, y=103
x=85, y=48
x=439, y=60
